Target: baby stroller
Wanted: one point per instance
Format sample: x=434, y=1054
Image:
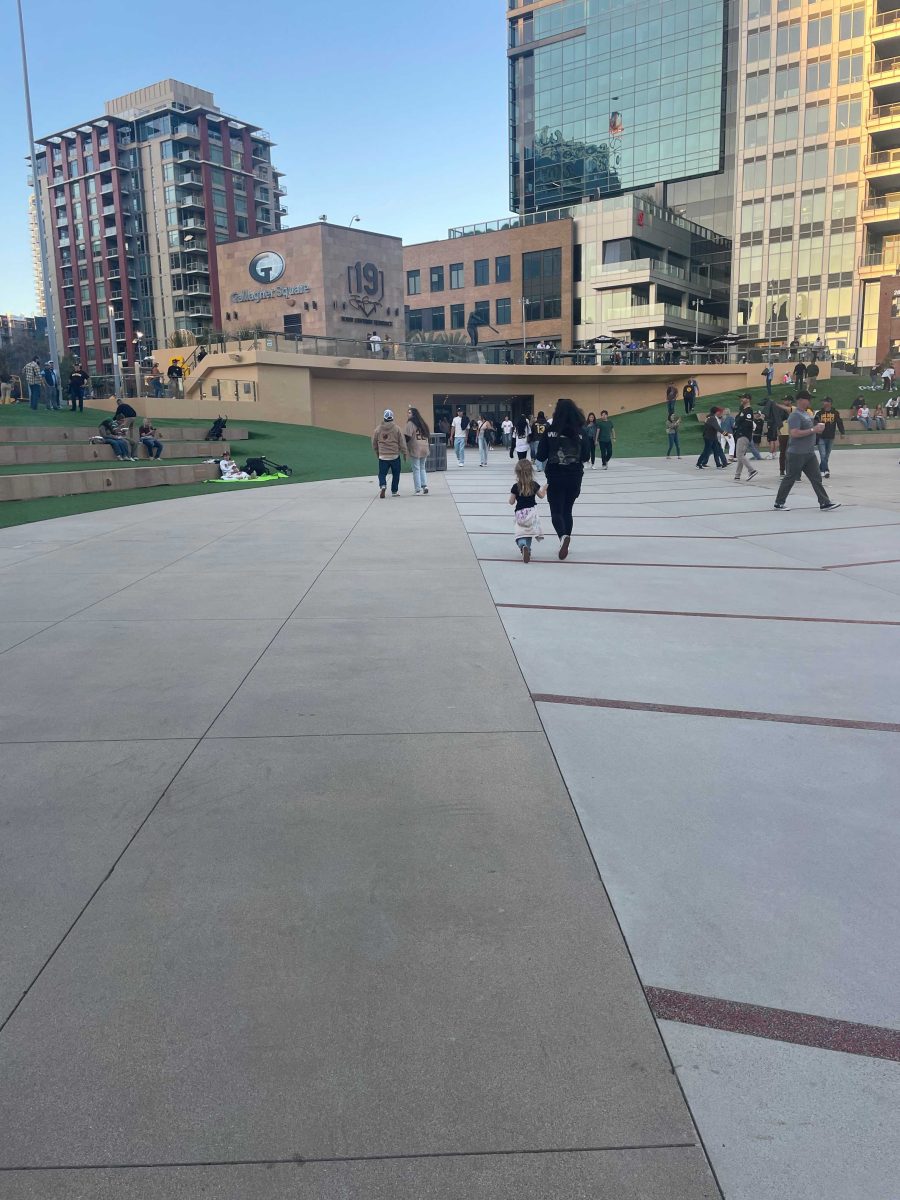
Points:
x=265, y=466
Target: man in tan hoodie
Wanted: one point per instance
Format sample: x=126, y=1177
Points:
x=389, y=444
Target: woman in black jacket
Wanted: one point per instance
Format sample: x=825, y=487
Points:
x=564, y=449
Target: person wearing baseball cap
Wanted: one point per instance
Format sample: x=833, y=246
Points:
x=389, y=444
x=711, y=446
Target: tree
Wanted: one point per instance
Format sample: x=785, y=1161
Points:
x=20, y=347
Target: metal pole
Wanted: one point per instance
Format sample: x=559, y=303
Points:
x=696, y=329
x=524, y=339
x=117, y=372
x=38, y=202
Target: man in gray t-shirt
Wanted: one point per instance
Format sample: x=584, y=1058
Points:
x=801, y=454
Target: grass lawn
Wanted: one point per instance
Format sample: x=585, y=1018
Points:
x=313, y=454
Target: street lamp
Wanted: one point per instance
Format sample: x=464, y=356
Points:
x=696, y=303
x=113, y=345
x=524, y=339
x=353, y=220
x=137, y=342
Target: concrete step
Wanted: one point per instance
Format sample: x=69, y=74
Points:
x=50, y=435
x=15, y=455
x=72, y=483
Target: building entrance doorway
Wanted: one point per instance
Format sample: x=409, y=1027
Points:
x=495, y=408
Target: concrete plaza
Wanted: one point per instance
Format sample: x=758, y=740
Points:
x=345, y=855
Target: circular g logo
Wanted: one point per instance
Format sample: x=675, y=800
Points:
x=267, y=267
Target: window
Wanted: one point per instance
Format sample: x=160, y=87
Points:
x=457, y=316
x=502, y=269
x=784, y=168
x=483, y=311
x=457, y=276
x=221, y=220
x=818, y=32
x=437, y=318
x=853, y=23
x=812, y=207
x=757, y=8
x=752, y=216
x=815, y=119
x=848, y=114
x=843, y=203
x=787, y=82
x=818, y=75
x=757, y=88
x=787, y=39
x=542, y=284
x=850, y=68
x=218, y=198
x=781, y=214
x=414, y=321
x=482, y=272
x=293, y=325
x=437, y=279
x=815, y=162
x=840, y=253
x=786, y=125
x=755, y=173
x=756, y=132
x=504, y=312
x=413, y=283
x=846, y=159
x=809, y=255
x=758, y=45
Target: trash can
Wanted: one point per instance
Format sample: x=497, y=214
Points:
x=437, y=453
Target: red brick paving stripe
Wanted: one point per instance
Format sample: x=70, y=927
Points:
x=671, y=612
x=734, y=714
x=682, y=537
x=777, y=1024
x=598, y=562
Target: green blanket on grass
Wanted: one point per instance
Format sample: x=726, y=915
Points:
x=258, y=479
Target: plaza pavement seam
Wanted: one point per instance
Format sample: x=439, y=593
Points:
x=189, y=755
x=734, y=714
x=133, y=582
x=299, y=1160
x=673, y=612
x=615, y=916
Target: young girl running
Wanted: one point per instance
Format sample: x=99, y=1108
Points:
x=524, y=494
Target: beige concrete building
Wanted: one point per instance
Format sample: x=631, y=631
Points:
x=135, y=203
x=317, y=280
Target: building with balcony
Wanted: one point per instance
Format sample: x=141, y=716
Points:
x=136, y=202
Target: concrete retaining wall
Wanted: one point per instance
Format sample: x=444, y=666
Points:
x=72, y=483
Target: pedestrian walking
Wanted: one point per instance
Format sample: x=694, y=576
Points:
x=743, y=438
x=830, y=418
x=672, y=423
x=726, y=424
x=389, y=444
x=522, y=439
x=759, y=425
x=32, y=375
x=485, y=435
x=711, y=431
x=506, y=428
x=606, y=438
x=671, y=397
x=783, y=437
x=799, y=375
x=538, y=429
x=688, y=397
x=590, y=429
x=417, y=434
x=524, y=494
x=459, y=425
x=768, y=374
x=801, y=455
x=564, y=450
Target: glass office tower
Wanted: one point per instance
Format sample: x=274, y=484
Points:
x=613, y=95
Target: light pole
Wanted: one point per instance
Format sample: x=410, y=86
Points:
x=524, y=338
x=353, y=221
x=697, y=302
x=38, y=202
x=137, y=342
x=117, y=370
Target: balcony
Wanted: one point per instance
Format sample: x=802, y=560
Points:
x=882, y=212
x=188, y=156
x=186, y=133
x=884, y=114
x=193, y=289
x=280, y=189
x=195, y=267
x=647, y=270
x=190, y=179
x=193, y=223
x=884, y=67
x=190, y=202
x=883, y=165
x=878, y=263
x=885, y=24
x=663, y=316
x=282, y=210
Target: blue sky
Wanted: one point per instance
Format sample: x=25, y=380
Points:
x=395, y=111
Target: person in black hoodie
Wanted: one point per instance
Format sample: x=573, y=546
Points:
x=564, y=448
x=711, y=446
x=831, y=419
x=743, y=438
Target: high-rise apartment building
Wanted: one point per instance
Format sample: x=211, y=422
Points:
x=135, y=203
x=39, y=306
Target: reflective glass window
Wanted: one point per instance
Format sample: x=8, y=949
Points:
x=482, y=272
x=504, y=312
x=413, y=283
x=457, y=276
x=437, y=279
